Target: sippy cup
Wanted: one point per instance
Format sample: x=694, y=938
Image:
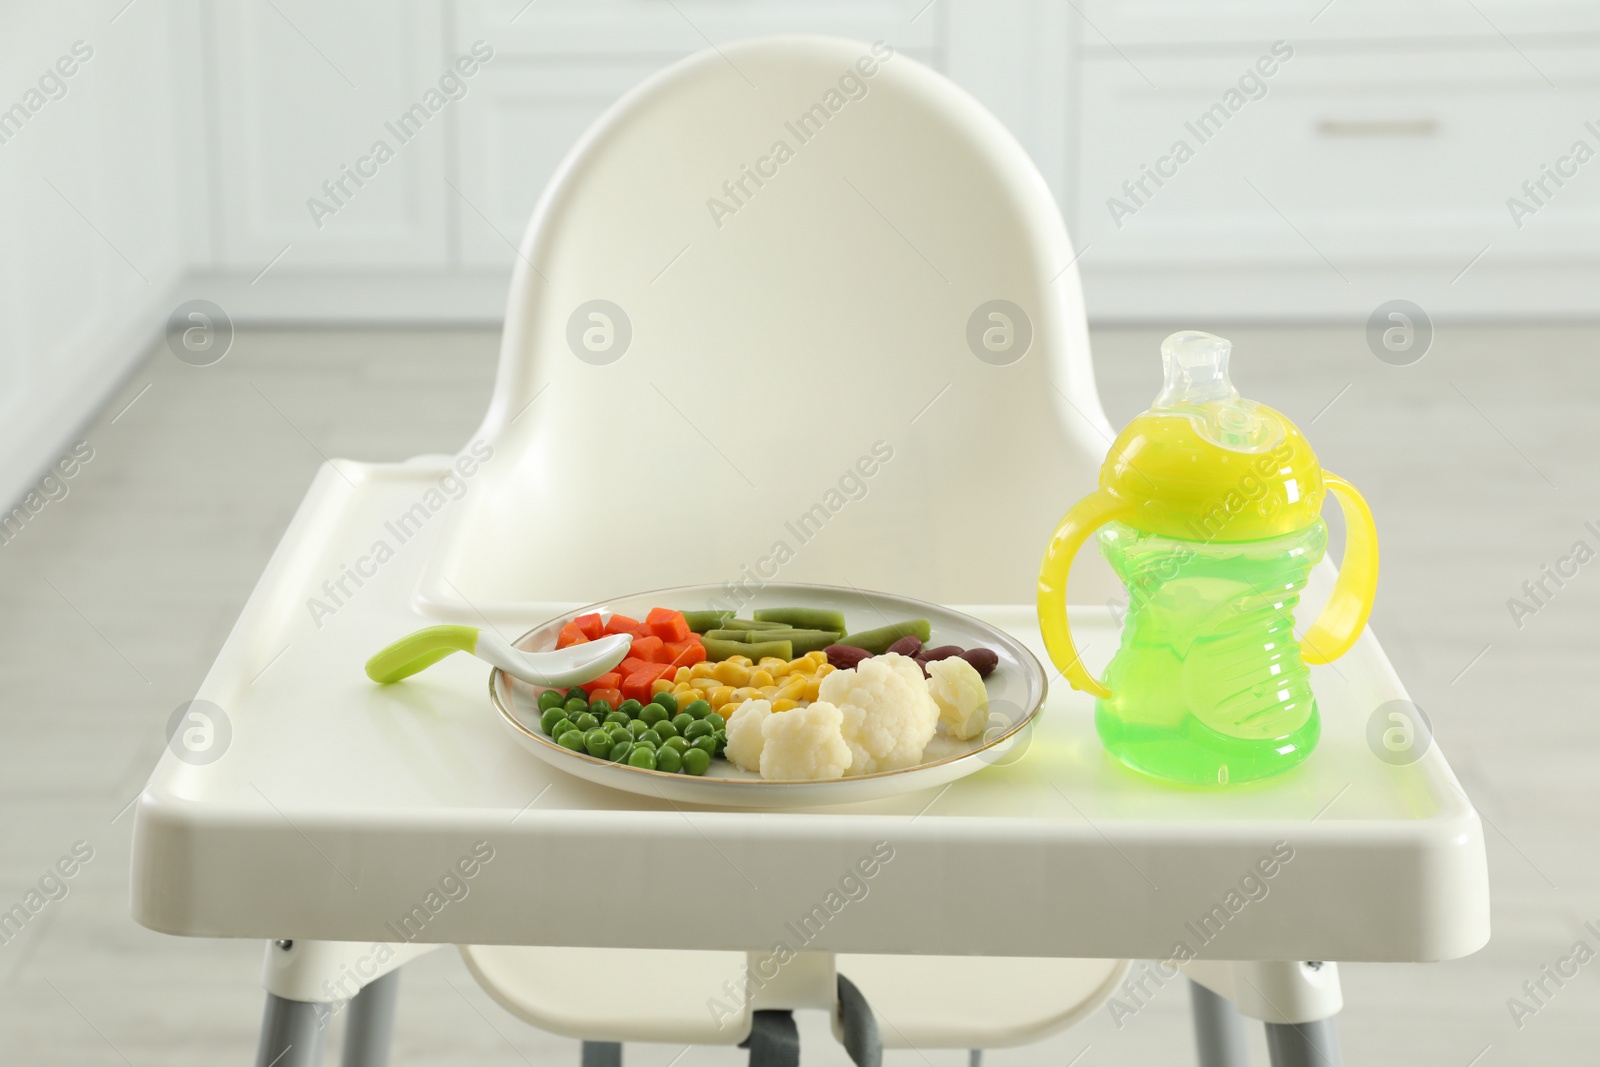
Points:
x=1208, y=510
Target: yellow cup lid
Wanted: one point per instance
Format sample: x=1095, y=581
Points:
x=1204, y=464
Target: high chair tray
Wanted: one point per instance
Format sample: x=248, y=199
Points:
x=336, y=807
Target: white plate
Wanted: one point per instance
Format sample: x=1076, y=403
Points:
x=1016, y=693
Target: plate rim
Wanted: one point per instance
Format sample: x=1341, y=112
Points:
x=789, y=783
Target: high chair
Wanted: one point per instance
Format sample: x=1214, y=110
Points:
x=795, y=292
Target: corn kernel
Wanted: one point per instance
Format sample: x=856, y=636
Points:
x=747, y=692
x=685, y=692
x=704, y=685
x=818, y=657
x=731, y=673
x=759, y=678
x=813, y=690
x=792, y=688
x=702, y=669
x=720, y=696
x=784, y=704
x=825, y=669
x=660, y=685
x=772, y=664
x=743, y=661
x=769, y=692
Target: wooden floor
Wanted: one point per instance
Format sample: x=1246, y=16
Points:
x=1479, y=461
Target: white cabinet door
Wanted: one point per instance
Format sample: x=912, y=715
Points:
x=311, y=165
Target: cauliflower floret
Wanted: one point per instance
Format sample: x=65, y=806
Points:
x=957, y=688
x=744, y=734
x=888, y=715
x=804, y=743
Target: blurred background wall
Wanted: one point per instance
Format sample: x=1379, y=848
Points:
x=1241, y=160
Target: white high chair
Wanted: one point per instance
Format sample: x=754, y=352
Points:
x=780, y=319
x=874, y=357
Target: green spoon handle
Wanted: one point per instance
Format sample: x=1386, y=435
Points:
x=419, y=651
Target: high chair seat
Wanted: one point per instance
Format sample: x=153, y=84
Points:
x=673, y=997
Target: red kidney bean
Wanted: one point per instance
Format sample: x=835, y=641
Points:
x=919, y=661
x=846, y=657
x=984, y=660
x=942, y=652
x=909, y=645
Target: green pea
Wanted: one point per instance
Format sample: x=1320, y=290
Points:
x=642, y=757
x=677, y=744
x=586, y=722
x=551, y=698
x=618, y=717
x=572, y=739
x=619, y=731
x=577, y=693
x=665, y=729
x=576, y=707
x=717, y=721
x=598, y=742
x=666, y=700
x=630, y=708
x=600, y=708
x=651, y=737
x=619, y=751
x=699, y=728
x=681, y=721
x=551, y=716
x=696, y=761
x=562, y=725
x=638, y=728
x=698, y=709
x=706, y=743
x=669, y=760
x=722, y=742
x=653, y=713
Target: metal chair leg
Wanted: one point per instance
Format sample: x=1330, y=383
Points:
x=601, y=1054
x=974, y=1057
x=1304, y=1044
x=369, y=1026
x=1218, y=1030
x=291, y=1034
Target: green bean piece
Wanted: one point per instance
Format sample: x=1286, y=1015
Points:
x=878, y=641
x=548, y=720
x=751, y=624
x=572, y=739
x=620, y=751
x=679, y=745
x=630, y=708
x=551, y=698
x=698, y=709
x=669, y=760
x=668, y=701
x=600, y=709
x=696, y=761
x=804, y=618
x=701, y=621
x=642, y=757
x=598, y=742
x=652, y=713
x=721, y=650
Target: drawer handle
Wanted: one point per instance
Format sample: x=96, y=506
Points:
x=1378, y=127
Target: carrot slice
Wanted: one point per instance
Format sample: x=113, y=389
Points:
x=605, y=681
x=685, y=653
x=570, y=635
x=612, y=696
x=649, y=649
x=667, y=624
x=590, y=625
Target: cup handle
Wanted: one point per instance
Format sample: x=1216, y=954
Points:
x=1345, y=614
x=1086, y=516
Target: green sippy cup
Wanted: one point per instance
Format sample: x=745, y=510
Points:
x=1209, y=511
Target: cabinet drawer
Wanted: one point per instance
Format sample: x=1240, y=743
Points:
x=1356, y=158
x=655, y=27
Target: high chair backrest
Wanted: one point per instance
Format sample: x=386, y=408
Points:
x=796, y=309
